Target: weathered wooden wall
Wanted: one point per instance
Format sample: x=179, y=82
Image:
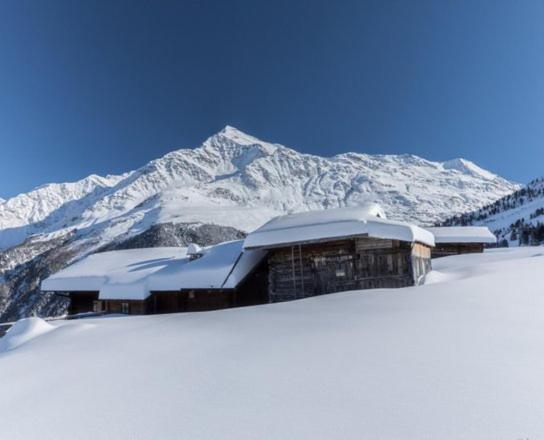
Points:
x=158, y=302
x=361, y=263
x=189, y=301
x=421, y=262
x=444, y=250
x=135, y=307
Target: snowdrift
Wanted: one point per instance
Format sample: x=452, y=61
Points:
x=23, y=331
x=459, y=358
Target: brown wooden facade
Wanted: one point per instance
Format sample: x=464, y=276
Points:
x=447, y=249
x=304, y=270
x=196, y=300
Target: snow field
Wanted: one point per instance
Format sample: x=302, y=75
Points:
x=459, y=358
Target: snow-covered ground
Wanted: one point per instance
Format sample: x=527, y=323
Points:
x=461, y=357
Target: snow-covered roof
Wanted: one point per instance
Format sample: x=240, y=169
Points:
x=316, y=226
x=221, y=266
x=462, y=234
x=135, y=273
x=109, y=272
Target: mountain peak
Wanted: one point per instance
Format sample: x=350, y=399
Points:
x=230, y=129
x=467, y=167
x=236, y=137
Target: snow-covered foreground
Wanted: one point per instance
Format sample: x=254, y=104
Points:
x=459, y=358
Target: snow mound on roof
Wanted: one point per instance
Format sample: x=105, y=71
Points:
x=24, y=331
x=372, y=209
x=194, y=249
x=462, y=234
x=333, y=223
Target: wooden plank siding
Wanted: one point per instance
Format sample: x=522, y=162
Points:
x=421, y=262
x=305, y=270
x=447, y=249
x=170, y=302
x=123, y=306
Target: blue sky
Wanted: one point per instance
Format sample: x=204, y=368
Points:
x=104, y=87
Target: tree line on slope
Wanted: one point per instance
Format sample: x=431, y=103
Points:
x=526, y=230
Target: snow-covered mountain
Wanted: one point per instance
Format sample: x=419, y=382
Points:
x=234, y=179
x=517, y=218
x=231, y=184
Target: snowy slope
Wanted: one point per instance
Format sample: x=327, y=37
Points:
x=47, y=208
x=37, y=204
x=459, y=358
x=236, y=180
x=511, y=217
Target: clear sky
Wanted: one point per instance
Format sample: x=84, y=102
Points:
x=104, y=87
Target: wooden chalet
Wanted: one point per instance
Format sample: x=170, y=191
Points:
x=455, y=240
x=163, y=280
x=290, y=257
x=314, y=253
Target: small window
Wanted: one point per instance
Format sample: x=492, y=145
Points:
x=340, y=273
x=125, y=308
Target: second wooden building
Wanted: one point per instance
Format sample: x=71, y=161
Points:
x=314, y=253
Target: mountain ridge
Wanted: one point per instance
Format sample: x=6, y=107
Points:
x=459, y=164
x=234, y=168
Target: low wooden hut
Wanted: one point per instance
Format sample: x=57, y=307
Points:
x=455, y=240
x=314, y=253
x=163, y=280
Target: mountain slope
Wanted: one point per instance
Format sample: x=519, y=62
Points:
x=237, y=180
x=517, y=218
x=26, y=214
x=234, y=182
